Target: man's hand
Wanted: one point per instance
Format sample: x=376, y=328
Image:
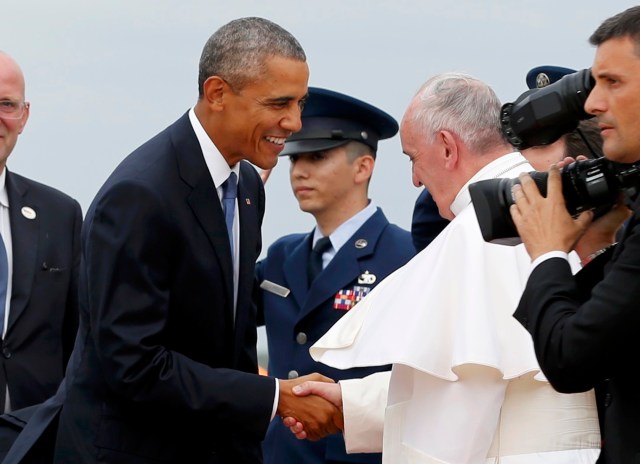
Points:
x=544, y=224
x=602, y=232
x=317, y=416
x=331, y=392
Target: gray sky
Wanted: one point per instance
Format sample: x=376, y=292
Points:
x=104, y=76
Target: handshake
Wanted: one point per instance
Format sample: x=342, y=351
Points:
x=311, y=406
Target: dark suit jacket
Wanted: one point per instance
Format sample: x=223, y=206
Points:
x=43, y=316
x=165, y=374
x=11, y=425
x=297, y=321
x=27, y=435
x=426, y=222
x=585, y=330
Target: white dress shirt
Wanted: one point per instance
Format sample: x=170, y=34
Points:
x=5, y=230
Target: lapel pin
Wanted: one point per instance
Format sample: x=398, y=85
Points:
x=27, y=212
x=361, y=243
x=248, y=201
x=367, y=278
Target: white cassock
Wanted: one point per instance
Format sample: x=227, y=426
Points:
x=465, y=385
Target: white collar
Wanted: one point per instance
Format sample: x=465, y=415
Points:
x=4, y=196
x=509, y=165
x=217, y=165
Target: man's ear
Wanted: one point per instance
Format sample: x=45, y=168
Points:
x=364, y=168
x=25, y=117
x=215, y=89
x=451, y=148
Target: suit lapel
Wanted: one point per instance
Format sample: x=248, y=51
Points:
x=24, y=237
x=204, y=201
x=205, y=204
x=249, y=222
x=295, y=269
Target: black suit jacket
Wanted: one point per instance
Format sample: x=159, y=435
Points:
x=43, y=316
x=585, y=331
x=165, y=374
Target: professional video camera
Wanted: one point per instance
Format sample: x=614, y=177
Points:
x=589, y=184
x=540, y=117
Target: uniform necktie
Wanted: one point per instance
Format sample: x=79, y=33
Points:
x=315, y=258
x=229, y=194
x=4, y=279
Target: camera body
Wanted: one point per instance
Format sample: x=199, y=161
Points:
x=593, y=184
x=542, y=116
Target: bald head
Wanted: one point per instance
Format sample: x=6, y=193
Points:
x=12, y=71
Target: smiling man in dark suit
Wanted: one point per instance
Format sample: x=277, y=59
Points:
x=165, y=366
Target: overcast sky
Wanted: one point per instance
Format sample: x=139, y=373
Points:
x=104, y=76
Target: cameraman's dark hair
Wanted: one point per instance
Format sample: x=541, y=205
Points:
x=589, y=146
x=625, y=24
x=238, y=50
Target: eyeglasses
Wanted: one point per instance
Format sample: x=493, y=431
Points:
x=10, y=109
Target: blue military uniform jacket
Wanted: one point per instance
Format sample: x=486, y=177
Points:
x=296, y=316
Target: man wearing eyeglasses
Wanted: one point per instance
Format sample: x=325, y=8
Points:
x=39, y=257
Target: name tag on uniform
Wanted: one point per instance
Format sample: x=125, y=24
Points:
x=275, y=288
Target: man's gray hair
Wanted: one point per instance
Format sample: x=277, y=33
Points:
x=463, y=105
x=237, y=51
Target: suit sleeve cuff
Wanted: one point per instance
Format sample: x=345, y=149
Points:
x=551, y=254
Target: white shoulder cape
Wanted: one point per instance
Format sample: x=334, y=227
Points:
x=450, y=305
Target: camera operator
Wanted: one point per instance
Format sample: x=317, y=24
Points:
x=585, y=327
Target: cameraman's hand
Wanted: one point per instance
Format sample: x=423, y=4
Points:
x=544, y=224
x=602, y=232
x=567, y=160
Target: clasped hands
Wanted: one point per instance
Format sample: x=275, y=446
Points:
x=311, y=406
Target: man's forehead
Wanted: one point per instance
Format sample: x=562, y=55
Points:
x=11, y=79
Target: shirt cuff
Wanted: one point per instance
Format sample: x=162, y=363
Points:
x=549, y=255
x=275, y=400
